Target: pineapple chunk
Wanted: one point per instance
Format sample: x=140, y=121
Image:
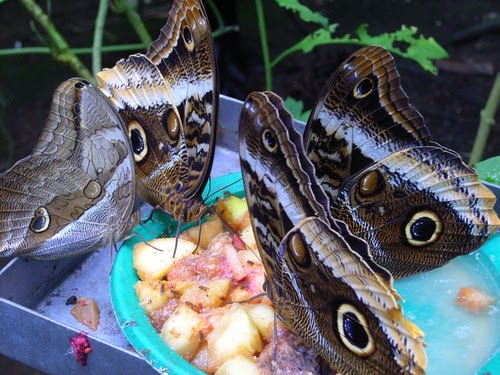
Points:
x=240, y=294
x=209, y=230
x=238, y=365
x=152, y=294
x=234, y=335
x=152, y=264
x=262, y=316
x=234, y=212
x=184, y=331
x=211, y=294
x=248, y=238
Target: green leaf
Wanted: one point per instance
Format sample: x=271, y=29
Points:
x=305, y=13
x=311, y=41
x=489, y=170
x=296, y=108
x=420, y=49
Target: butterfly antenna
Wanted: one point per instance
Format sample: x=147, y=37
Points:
x=248, y=300
x=209, y=183
x=222, y=188
x=199, y=236
x=177, y=233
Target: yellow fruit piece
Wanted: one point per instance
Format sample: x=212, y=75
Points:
x=234, y=212
x=249, y=239
x=184, y=331
x=209, y=230
x=154, y=259
x=262, y=316
x=235, y=334
x=211, y=294
x=152, y=294
x=238, y=365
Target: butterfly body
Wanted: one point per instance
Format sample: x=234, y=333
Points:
x=76, y=191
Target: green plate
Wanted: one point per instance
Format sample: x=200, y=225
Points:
x=459, y=342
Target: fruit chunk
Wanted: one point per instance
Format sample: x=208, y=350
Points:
x=249, y=239
x=151, y=294
x=153, y=264
x=238, y=365
x=86, y=312
x=235, y=334
x=209, y=229
x=262, y=316
x=184, y=331
x=473, y=299
x=234, y=212
x=211, y=294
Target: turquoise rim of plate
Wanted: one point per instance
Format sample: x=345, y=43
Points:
x=133, y=320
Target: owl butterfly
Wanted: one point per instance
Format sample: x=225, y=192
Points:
x=76, y=191
x=415, y=202
x=168, y=99
x=323, y=284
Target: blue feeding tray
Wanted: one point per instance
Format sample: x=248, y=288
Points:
x=459, y=342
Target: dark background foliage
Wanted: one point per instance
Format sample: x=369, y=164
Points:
x=450, y=101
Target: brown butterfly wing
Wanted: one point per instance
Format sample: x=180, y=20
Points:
x=169, y=100
x=362, y=115
x=76, y=192
x=312, y=284
x=385, y=178
x=418, y=209
x=340, y=307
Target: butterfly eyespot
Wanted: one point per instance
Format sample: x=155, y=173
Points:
x=299, y=251
x=92, y=190
x=41, y=221
x=138, y=140
x=353, y=330
x=80, y=85
x=78, y=122
x=363, y=88
x=423, y=228
x=172, y=124
x=370, y=184
x=269, y=140
x=188, y=39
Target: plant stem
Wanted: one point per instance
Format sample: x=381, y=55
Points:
x=264, y=46
x=98, y=31
x=217, y=14
x=60, y=50
x=224, y=30
x=124, y=6
x=486, y=123
x=76, y=51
